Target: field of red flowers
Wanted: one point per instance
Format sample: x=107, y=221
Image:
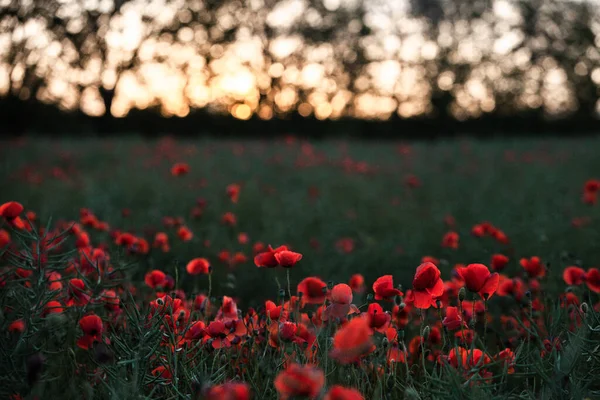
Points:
x=291, y=269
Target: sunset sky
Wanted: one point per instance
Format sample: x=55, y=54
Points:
x=253, y=76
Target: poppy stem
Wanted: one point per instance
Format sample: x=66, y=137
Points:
x=485, y=322
x=209, y=284
x=287, y=271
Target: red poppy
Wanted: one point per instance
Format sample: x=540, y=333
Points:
x=228, y=391
x=352, y=341
x=198, y=266
x=267, y=258
x=4, y=238
x=340, y=307
x=478, y=279
x=229, y=219
x=384, y=288
x=534, y=267
x=450, y=240
x=592, y=186
x=511, y=287
x=574, y=275
x=338, y=392
x=243, y=238
x=17, y=326
x=378, y=319
x=508, y=357
x=77, y=293
x=184, y=234
x=478, y=230
x=453, y=319
x=499, y=262
x=592, y=279
x=233, y=192
x=313, y=289
x=155, y=279
x=357, y=283
x=11, y=210
x=52, y=307
x=180, y=169
x=299, y=381
x=287, y=259
x=427, y=285
x=91, y=325
x=162, y=372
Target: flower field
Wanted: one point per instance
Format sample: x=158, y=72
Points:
x=289, y=269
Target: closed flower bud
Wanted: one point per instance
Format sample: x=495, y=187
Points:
x=370, y=297
x=462, y=293
x=426, y=332
x=584, y=308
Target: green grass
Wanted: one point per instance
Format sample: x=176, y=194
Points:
x=530, y=189
x=532, y=199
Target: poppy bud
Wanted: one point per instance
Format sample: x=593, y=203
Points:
x=528, y=294
x=462, y=293
x=400, y=334
x=426, y=332
x=402, y=306
x=330, y=285
x=324, y=289
x=160, y=302
x=584, y=308
x=397, y=300
x=281, y=293
x=370, y=297
x=385, y=342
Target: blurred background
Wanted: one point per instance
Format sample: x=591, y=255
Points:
x=397, y=68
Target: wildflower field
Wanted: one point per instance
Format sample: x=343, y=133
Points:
x=292, y=269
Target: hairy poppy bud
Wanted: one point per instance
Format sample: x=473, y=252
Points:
x=370, y=297
x=402, y=306
x=462, y=293
x=584, y=308
x=426, y=332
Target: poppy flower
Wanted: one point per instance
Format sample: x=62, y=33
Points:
x=11, y=210
x=340, y=307
x=162, y=372
x=17, y=326
x=499, y=262
x=534, y=267
x=511, y=287
x=198, y=266
x=155, y=279
x=267, y=259
x=229, y=219
x=313, y=289
x=384, y=288
x=91, y=325
x=508, y=357
x=592, y=279
x=352, y=341
x=478, y=279
x=299, y=381
x=4, y=238
x=287, y=259
x=338, y=392
x=233, y=192
x=345, y=245
x=228, y=391
x=378, y=319
x=184, y=234
x=478, y=230
x=357, y=283
x=180, y=169
x=450, y=240
x=453, y=319
x=77, y=293
x=427, y=286
x=52, y=307
x=574, y=276
x=243, y=238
